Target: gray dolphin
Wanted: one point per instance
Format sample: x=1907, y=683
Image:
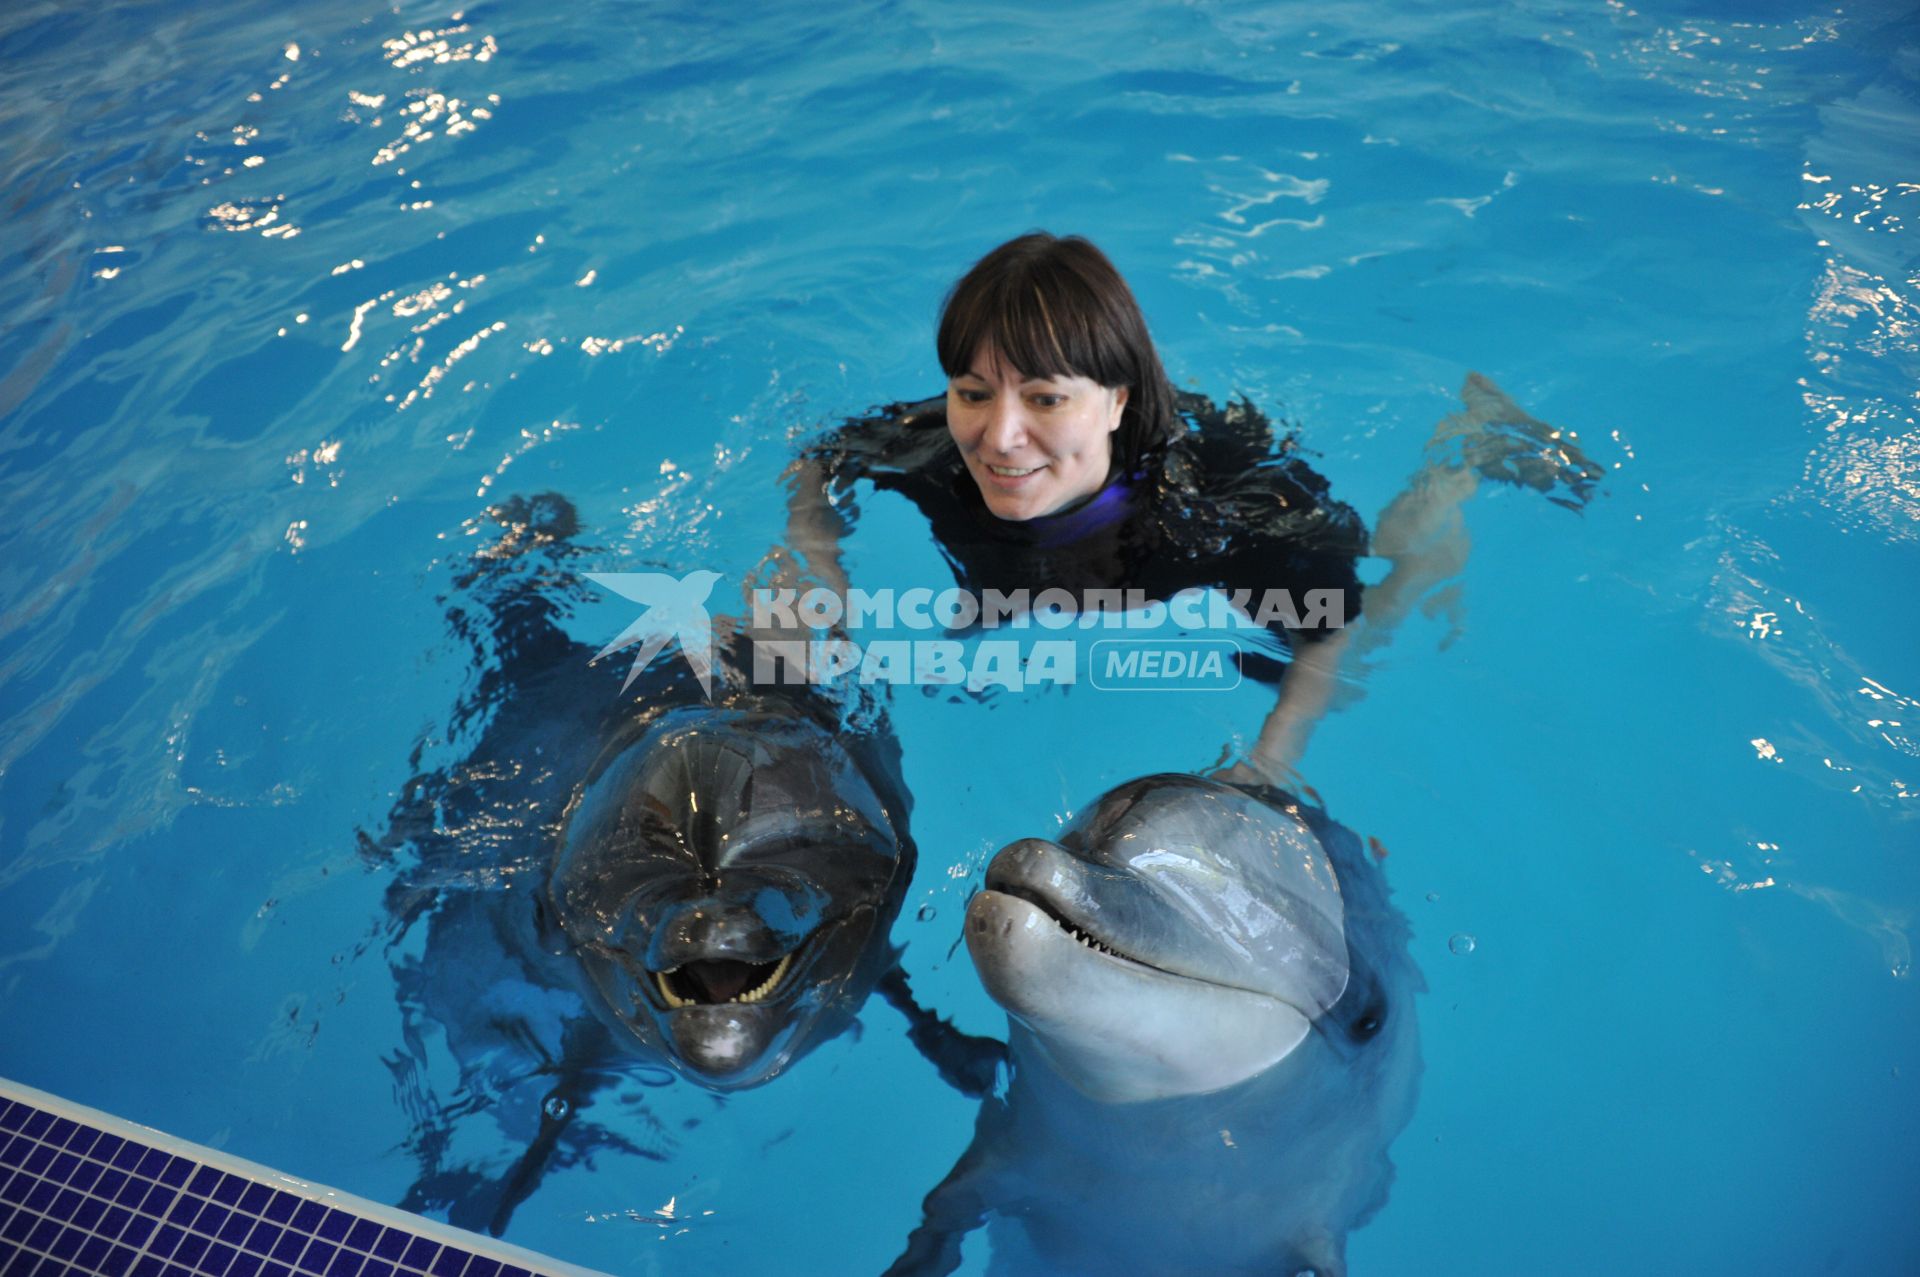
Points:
x=1211, y=1036
x=605, y=886
x=727, y=878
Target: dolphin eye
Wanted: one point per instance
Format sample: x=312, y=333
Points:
x=1370, y=1022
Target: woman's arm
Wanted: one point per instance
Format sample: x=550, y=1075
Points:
x=1423, y=536
x=814, y=528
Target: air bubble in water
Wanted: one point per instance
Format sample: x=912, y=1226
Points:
x=557, y=1107
x=1461, y=943
x=926, y=913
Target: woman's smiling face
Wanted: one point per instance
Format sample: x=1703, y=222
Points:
x=1034, y=445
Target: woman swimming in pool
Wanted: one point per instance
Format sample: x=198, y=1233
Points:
x=1062, y=457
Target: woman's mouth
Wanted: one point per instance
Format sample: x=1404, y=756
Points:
x=1012, y=472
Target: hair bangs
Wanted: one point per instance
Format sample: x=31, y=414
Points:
x=1039, y=327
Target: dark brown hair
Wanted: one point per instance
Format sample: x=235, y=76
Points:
x=1054, y=306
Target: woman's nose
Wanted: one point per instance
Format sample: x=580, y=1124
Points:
x=1006, y=426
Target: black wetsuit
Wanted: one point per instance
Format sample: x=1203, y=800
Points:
x=1224, y=505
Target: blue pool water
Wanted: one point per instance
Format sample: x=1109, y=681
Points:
x=292, y=296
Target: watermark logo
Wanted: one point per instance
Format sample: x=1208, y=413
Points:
x=676, y=609
x=819, y=637
x=1165, y=665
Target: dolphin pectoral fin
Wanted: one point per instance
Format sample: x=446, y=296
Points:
x=953, y=1209
x=557, y=1110
x=585, y=1044
x=969, y=1064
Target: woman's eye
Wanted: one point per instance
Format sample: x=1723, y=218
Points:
x=974, y=396
x=1048, y=401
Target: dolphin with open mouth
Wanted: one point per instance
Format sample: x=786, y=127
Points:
x=613, y=881
x=1211, y=1037
x=727, y=878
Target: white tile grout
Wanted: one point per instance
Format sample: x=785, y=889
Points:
x=439, y=1235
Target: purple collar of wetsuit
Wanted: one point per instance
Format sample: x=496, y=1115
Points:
x=1103, y=509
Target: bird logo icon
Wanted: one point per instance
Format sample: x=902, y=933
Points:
x=676, y=609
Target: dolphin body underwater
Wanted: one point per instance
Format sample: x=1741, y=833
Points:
x=611, y=883
x=1211, y=1036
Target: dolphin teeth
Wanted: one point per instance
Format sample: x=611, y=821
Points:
x=760, y=991
x=673, y=1000
x=1088, y=942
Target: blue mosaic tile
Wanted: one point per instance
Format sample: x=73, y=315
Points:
x=157, y=1201
x=288, y=1248
x=191, y=1247
x=264, y=1236
x=211, y=1219
x=235, y=1230
x=67, y=1244
x=88, y=1213
x=79, y=1201
x=421, y=1253
x=317, y=1256
x=165, y=1240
